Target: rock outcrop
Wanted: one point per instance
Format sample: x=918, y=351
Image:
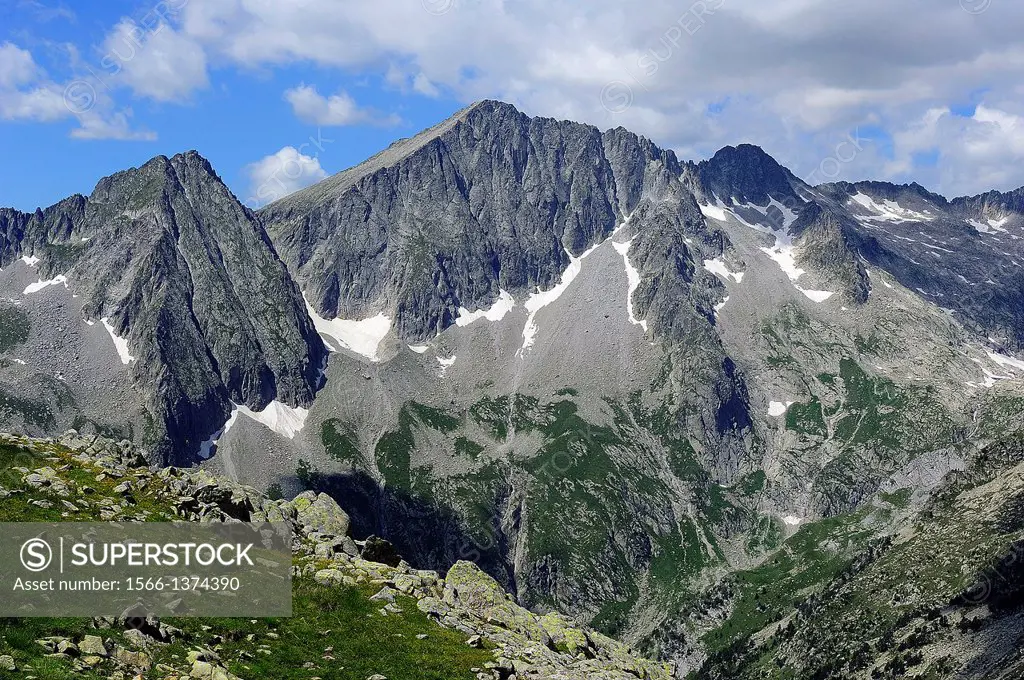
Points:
x=525, y=644
x=184, y=275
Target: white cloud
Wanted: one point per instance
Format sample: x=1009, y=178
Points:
x=43, y=12
x=16, y=66
x=279, y=174
x=26, y=94
x=810, y=71
x=421, y=83
x=161, y=64
x=809, y=74
x=43, y=103
x=975, y=153
x=337, y=110
x=114, y=125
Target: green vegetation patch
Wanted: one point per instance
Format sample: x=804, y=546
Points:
x=434, y=418
x=33, y=412
x=341, y=443
x=14, y=327
x=468, y=447
x=335, y=633
x=807, y=418
x=806, y=561
x=394, y=453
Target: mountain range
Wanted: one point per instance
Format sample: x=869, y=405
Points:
x=705, y=407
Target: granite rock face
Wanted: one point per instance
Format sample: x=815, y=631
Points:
x=489, y=200
x=183, y=274
x=746, y=174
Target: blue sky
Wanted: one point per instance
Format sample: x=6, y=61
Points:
x=240, y=117
x=833, y=92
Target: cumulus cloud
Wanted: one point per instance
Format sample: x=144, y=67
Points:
x=421, y=83
x=24, y=92
x=281, y=173
x=336, y=110
x=16, y=66
x=113, y=125
x=27, y=94
x=795, y=76
x=788, y=75
x=975, y=152
x=161, y=64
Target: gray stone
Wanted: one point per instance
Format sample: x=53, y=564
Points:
x=320, y=513
x=93, y=645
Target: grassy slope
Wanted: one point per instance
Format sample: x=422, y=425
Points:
x=363, y=642
x=880, y=609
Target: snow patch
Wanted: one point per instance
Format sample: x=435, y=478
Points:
x=783, y=252
x=285, y=420
x=497, y=312
x=718, y=266
x=1005, y=361
x=39, y=285
x=888, y=211
x=793, y=520
x=625, y=222
x=720, y=305
x=446, y=363
x=633, y=276
x=990, y=227
x=777, y=409
x=788, y=215
x=715, y=212
x=30, y=261
x=816, y=295
x=543, y=298
x=206, y=449
x=18, y=361
x=992, y=378
x=120, y=344
x=419, y=349
x=362, y=337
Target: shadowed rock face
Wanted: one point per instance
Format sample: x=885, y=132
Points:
x=962, y=255
x=748, y=175
x=828, y=246
x=184, y=274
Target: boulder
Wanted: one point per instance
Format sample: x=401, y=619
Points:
x=564, y=636
x=93, y=645
x=320, y=513
x=329, y=577
x=380, y=551
x=470, y=590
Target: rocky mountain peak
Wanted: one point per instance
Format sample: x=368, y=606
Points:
x=911, y=194
x=992, y=203
x=748, y=174
x=188, y=284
